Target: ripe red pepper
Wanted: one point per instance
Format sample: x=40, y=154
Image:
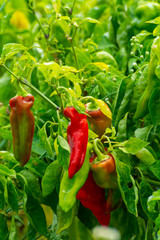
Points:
x=22, y=124
x=103, y=168
x=99, y=121
x=77, y=134
x=93, y=197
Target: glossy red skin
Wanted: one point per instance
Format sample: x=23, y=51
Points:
x=93, y=197
x=99, y=121
x=22, y=125
x=77, y=134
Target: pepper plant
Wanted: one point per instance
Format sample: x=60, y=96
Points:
x=84, y=161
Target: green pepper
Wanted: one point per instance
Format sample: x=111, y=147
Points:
x=69, y=187
x=152, y=81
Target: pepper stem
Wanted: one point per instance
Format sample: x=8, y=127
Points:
x=25, y=82
x=92, y=105
x=109, y=143
x=100, y=155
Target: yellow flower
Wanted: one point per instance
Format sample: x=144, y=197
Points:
x=19, y=20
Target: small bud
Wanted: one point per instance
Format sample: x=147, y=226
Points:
x=134, y=64
x=141, y=46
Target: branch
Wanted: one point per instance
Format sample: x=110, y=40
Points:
x=25, y=82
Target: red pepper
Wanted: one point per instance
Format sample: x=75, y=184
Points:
x=77, y=134
x=103, y=168
x=93, y=197
x=99, y=121
x=22, y=124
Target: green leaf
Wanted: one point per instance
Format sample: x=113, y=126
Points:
x=12, y=232
x=82, y=58
x=145, y=191
x=123, y=108
x=51, y=177
x=5, y=171
x=2, y=201
x=6, y=21
x=7, y=89
x=33, y=183
x=31, y=232
x=63, y=153
x=122, y=215
x=152, y=201
x=122, y=129
x=12, y=195
x=33, y=208
x=45, y=140
x=3, y=227
x=157, y=229
x=63, y=143
x=154, y=106
x=37, y=166
x=35, y=213
x=143, y=133
x=10, y=49
x=7, y=156
x=119, y=97
x=156, y=31
x=63, y=156
x=79, y=231
x=70, y=76
x=57, y=5
x=70, y=187
x=149, y=230
x=133, y=145
x=67, y=69
x=103, y=108
x=65, y=219
x=145, y=156
x=60, y=31
x=6, y=134
x=91, y=20
x=154, y=21
x=100, y=65
x=127, y=184
x=155, y=169
x=49, y=70
x=105, y=57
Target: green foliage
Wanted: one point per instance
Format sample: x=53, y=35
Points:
x=68, y=53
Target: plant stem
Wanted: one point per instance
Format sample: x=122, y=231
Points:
x=109, y=143
x=45, y=35
x=73, y=36
x=25, y=82
x=74, y=54
x=72, y=7
x=60, y=96
x=98, y=152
